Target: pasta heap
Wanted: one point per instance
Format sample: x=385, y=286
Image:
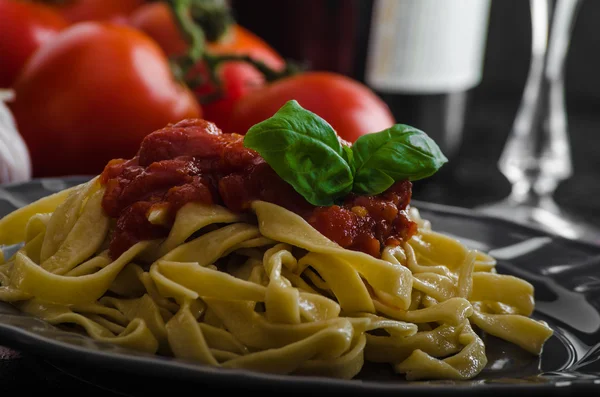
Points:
x=264, y=291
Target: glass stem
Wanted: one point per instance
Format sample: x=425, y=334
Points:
x=537, y=153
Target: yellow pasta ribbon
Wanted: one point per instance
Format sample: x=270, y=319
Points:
x=439, y=342
x=85, y=238
x=279, y=224
x=191, y=218
x=281, y=299
x=13, y=226
x=452, y=311
x=64, y=217
x=344, y=281
x=135, y=336
x=461, y=366
x=206, y=249
x=507, y=289
x=520, y=330
x=31, y=279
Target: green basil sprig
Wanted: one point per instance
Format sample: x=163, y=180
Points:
x=305, y=151
x=395, y=154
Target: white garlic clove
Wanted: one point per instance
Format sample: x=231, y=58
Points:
x=15, y=162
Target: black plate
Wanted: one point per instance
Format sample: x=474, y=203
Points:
x=565, y=273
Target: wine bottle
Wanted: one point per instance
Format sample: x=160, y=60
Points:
x=424, y=57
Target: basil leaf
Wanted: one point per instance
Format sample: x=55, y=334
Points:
x=304, y=151
x=397, y=153
x=349, y=157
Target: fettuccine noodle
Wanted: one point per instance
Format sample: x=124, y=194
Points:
x=266, y=293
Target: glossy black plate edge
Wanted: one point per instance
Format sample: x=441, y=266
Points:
x=221, y=378
x=526, y=229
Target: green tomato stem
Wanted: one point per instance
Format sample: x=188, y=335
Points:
x=213, y=61
x=202, y=21
x=213, y=16
x=192, y=33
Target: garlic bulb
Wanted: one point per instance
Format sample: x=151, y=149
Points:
x=15, y=162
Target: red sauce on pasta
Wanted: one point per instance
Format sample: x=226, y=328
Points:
x=193, y=161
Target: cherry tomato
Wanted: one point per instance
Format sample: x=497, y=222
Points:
x=23, y=28
x=350, y=107
x=238, y=78
x=156, y=20
x=97, y=10
x=92, y=94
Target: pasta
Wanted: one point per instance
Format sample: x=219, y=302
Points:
x=198, y=248
x=264, y=291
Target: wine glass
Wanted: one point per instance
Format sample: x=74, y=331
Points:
x=536, y=156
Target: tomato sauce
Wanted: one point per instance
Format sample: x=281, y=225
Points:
x=193, y=161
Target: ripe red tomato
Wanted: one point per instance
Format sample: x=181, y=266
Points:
x=97, y=10
x=350, y=107
x=23, y=28
x=239, y=78
x=92, y=94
